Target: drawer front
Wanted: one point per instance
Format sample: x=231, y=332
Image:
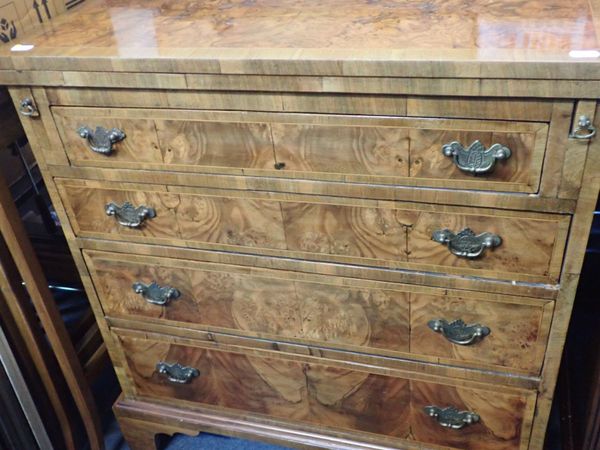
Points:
x=334, y=396
x=390, y=235
x=514, y=334
x=326, y=312
x=379, y=150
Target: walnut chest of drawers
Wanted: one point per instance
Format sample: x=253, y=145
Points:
x=343, y=225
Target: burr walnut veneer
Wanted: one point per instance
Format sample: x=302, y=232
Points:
x=338, y=224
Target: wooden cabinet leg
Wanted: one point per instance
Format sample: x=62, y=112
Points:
x=138, y=434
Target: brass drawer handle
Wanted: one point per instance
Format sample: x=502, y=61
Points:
x=155, y=294
x=584, y=130
x=459, y=332
x=466, y=243
x=451, y=417
x=28, y=108
x=476, y=159
x=128, y=215
x=102, y=140
x=176, y=373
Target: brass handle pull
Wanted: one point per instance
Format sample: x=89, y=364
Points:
x=28, y=108
x=176, y=373
x=584, y=130
x=102, y=140
x=451, y=417
x=459, y=332
x=466, y=243
x=155, y=294
x=128, y=215
x=476, y=159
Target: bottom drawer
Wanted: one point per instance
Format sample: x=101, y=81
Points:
x=341, y=396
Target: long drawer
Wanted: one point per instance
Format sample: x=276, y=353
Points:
x=379, y=318
x=516, y=246
x=355, y=149
x=339, y=396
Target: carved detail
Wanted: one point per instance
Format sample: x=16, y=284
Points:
x=176, y=373
x=476, y=159
x=458, y=332
x=155, y=294
x=102, y=140
x=451, y=417
x=466, y=243
x=128, y=215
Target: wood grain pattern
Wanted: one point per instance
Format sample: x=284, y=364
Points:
x=336, y=397
x=361, y=38
x=423, y=368
x=562, y=115
x=140, y=145
x=582, y=223
x=503, y=422
x=412, y=151
x=480, y=108
x=518, y=332
x=337, y=218
x=342, y=149
x=404, y=235
x=526, y=245
x=368, y=319
x=392, y=105
x=315, y=393
x=364, y=273
x=148, y=418
x=427, y=160
x=246, y=223
x=359, y=25
x=576, y=154
x=245, y=145
x=486, y=199
x=260, y=305
x=168, y=143
x=393, y=235
x=420, y=85
x=42, y=138
x=412, y=148
x=352, y=149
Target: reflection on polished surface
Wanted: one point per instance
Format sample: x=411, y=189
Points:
x=546, y=25
x=542, y=39
x=133, y=27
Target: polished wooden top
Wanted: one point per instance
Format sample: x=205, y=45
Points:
x=441, y=38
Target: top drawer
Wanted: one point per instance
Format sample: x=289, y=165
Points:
x=450, y=153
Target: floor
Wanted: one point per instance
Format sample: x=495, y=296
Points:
x=216, y=442
x=114, y=441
